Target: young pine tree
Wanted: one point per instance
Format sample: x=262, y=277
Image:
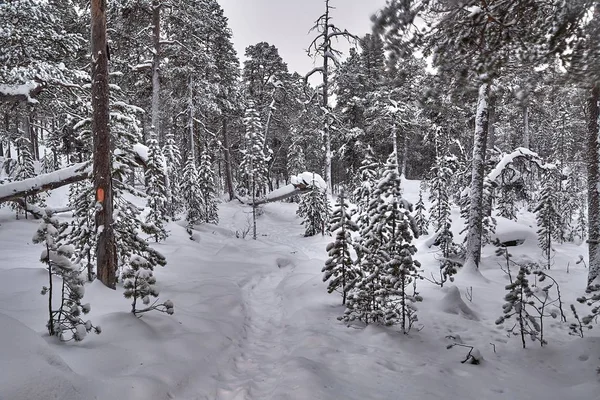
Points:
x=548, y=219
x=156, y=192
x=339, y=268
x=139, y=284
x=192, y=194
x=388, y=268
x=64, y=322
x=439, y=195
x=172, y=157
x=314, y=209
x=420, y=217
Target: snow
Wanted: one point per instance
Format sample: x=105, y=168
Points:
x=19, y=90
x=44, y=179
x=509, y=158
x=253, y=321
x=309, y=179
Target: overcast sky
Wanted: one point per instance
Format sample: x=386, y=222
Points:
x=285, y=24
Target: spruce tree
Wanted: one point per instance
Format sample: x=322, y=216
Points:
x=368, y=175
x=254, y=161
x=339, y=268
x=156, y=192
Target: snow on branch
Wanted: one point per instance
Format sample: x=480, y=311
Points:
x=25, y=92
x=506, y=163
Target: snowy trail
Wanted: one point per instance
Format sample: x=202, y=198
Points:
x=254, y=372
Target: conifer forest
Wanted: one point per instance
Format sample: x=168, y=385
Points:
x=414, y=217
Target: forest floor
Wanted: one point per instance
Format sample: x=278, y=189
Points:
x=253, y=321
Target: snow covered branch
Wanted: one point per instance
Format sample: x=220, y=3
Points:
x=21, y=93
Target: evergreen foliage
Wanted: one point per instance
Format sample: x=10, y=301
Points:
x=66, y=321
x=387, y=264
x=192, y=194
x=548, y=219
x=340, y=269
x=420, y=217
x=156, y=192
x=315, y=211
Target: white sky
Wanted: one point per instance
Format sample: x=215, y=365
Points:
x=285, y=24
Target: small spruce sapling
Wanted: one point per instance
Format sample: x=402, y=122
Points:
x=139, y=283
x=64, y=322
x=339, y=268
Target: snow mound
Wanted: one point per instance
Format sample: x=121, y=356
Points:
x=452, y=303
x=31, y=369
x=283, y=262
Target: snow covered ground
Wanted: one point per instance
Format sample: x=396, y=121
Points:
x=253, y=321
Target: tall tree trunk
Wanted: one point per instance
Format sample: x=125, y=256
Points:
x=491, y=142
x=191, y=118
x=326, y=117
x=593, y=157
x=227, y=154
x=526, y=133
x=155, y=128
x=475, y=223
x=105, y=248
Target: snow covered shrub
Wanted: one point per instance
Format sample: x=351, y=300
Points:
x=156, y=192
x=527, y=305
x=314, y=209
x=339, y=268
x=139, y=283
x=64, y=322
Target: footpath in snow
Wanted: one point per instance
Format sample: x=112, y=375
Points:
x=253, y=321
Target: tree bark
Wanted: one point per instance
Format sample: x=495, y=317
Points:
x=593, y=180
x=326, y=120
x=105, y=247
x=155, y=129
x=475, y=223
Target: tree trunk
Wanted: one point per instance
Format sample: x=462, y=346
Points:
x=155, y=129
x=326, y=119
x=105, y=247
x=593, y=157
x=526, y=134
x=475, y=228
x=227, y=154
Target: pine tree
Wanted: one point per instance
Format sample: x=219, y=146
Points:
x=368, y=174
x=207, y=186
x=26, y=170
x=381, y=295
x=156, y=193
x=507, y=203
x=81, y=232
x=64, y=322
x=439, y=195
x=420, y=217
x=339, y=268
x=314, y=209
x=548, y=219
x=172, y=158
x=254, y=162
x=191, y=193
x=139, y=283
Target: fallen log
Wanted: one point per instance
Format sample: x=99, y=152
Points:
x=28, y=187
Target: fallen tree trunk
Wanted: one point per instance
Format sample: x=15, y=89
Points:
x=14, y=191
x=277, y=195
x=21, y=93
